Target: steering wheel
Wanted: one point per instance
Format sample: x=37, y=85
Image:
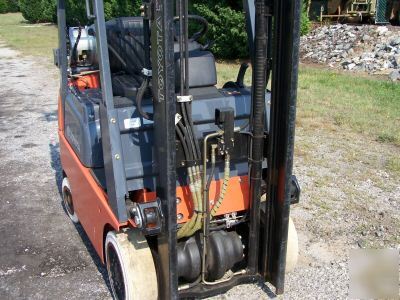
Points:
x=197, y=35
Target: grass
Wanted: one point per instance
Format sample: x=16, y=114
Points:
x=393, y=164
x=366, y=105
x=31, y=39
x=325, y=98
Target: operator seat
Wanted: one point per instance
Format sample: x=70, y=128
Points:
x=126, y=54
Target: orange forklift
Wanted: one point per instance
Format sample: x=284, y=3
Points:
x=182, y=187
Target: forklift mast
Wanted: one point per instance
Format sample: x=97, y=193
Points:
x=273, y=29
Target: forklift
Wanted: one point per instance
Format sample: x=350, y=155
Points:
x=183, y=188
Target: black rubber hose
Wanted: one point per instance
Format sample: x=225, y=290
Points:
x=189, y=131
x=190, y=119
x=139, y=99
x=183, y=129
x=75, y=49
x=183, y=142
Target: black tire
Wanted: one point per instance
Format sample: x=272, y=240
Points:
x=68, y=201
x=130, y=266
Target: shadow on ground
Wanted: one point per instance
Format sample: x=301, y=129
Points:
x=59, y=174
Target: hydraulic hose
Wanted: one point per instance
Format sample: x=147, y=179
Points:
x=183, y=142
x=224, y=187
x=188, y=111
x=189, y=129
x=195, y=223
x=190, y=226
x=197, y=220
x=139, y=99
x=207, y=218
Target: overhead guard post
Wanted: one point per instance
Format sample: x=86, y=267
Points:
x=281, y=137
x=110, y=133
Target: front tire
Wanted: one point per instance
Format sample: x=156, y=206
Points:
x=130, y=266
x=292, y=252
x=68, y=201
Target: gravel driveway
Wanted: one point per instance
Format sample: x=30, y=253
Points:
x=44, y=256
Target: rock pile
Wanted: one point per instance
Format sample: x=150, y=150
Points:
x=368, y=48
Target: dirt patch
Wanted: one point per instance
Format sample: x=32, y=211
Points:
x=43, y=255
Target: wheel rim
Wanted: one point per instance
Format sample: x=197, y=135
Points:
x=67, y=196
x=115, y=273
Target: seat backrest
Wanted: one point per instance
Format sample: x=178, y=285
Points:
x=125, y=39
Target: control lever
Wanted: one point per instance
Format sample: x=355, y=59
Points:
x=225, y=118
x=239, y=84
x=241, y=74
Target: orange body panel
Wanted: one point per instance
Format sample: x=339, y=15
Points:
x=236, y=197
x=90, y=201
x=60, y=115
x=90, y=81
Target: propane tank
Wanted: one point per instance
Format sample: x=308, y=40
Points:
x=82, y=49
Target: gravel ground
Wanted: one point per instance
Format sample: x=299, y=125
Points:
x=349, y=200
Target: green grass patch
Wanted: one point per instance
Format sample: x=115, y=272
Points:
x=325, y=98
x=30, y=39
x=393, y=164
x=369, y=106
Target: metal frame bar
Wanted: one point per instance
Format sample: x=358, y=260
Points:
x=281, y=138
x=164, y=101
x=257, y=128
x=250, y=12
x=62, y=50
x=110, y=133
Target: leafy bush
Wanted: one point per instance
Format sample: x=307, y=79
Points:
x=226, y=30
x=13, y=5
x=3, y=6
x=36, y=11
x=31, y=10
x=76, y=10
x=305, y=23
x=49, y=11
x=45, y=10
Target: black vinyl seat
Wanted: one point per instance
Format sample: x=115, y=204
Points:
x=126, y=51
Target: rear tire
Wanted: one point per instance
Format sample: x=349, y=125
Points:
x=130, y=266
x=68, y=201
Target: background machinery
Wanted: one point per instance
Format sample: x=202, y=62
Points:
x=373, y=11
x=183, y=188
